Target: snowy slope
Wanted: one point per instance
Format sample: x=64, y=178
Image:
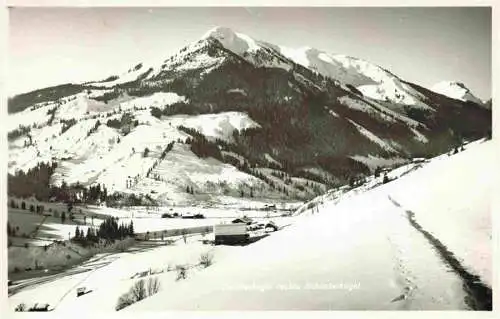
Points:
x=29, y=117
x=109, y=167
x=374, y=138
x=207, y=176
x=108, y=276
x=220, y=125
x=357, y=252
x=372, y=80
x=457, y=205
x=158, y=99
x=129, y=76
x=361, y=253
x=108, y=157
x=456, y=90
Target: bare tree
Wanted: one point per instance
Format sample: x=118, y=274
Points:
x=138, y=291
x=153, y=286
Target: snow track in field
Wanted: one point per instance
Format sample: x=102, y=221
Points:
x=479, y=295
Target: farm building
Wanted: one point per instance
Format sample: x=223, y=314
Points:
x=235, y=233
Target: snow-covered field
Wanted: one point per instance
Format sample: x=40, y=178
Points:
x=51, y=228
x=108, y=276
x=357, y=251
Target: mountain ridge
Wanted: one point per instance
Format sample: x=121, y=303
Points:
x=456, y=90
x=306, y=120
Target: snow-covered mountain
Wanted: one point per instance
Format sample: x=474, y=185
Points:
x=456, y=90
x=230, y=115
x=372, y=80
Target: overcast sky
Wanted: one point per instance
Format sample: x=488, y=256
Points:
x=50, y=46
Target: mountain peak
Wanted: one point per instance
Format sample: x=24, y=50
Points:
x=233, y=41
x=219, y=32
x=456, y=90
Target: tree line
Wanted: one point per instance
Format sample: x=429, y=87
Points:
x=200, y=145
x=36, y=181
x=108, y=230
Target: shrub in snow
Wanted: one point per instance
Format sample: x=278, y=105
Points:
x=138, y=292
x=386, y=179
x=181, y=272
x=125, y=300
x=206, y=260
x=153, y=286
x=20, y=307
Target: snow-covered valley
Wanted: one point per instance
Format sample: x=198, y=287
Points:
x=410, y=244
x=238, y=174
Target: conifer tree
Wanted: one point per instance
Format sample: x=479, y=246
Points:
x=386, y=179
x=131, y=228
